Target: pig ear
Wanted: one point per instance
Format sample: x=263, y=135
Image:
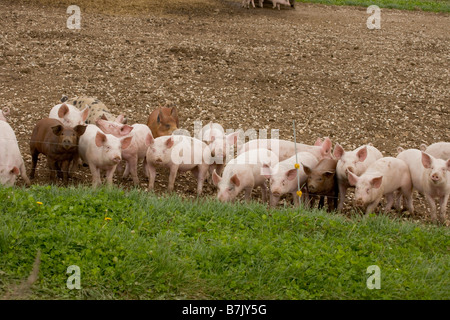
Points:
x=216, y=178
x=400, y=149
x=15, y=171
x=266, y=171
x=328, y=174
x=232, y=138
x=149, y=139
x=85, y=113
x=169, y=142
x=291, y=174
x=376, y=182
x=352, y=178
x=423, y=147
x=57, y=129
x=326, y=146
x=426, y=160
x=174, y=114
x=103, y=117
x=126, y=142
x=307, y=170
x=338, y=151
x=362, y=154
x=235, y=180
x=63, y=111
x=126, y=129
x=318, y=142
x=80, y=129
x=119, y=118
x=100, y=139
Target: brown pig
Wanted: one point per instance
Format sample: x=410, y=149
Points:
x=58, y=142
x=163, y=121
x=322, y=181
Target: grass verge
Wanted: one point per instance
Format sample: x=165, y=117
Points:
x=135, y=245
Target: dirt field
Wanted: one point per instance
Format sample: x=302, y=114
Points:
x=249, y=69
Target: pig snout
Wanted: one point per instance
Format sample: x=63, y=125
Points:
x=276, y=193
x=67, y=143
x=117, y=159
x=359, y=202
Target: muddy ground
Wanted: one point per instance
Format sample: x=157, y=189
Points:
x=248, y=69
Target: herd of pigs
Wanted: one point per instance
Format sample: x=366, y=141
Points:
x=82, y=131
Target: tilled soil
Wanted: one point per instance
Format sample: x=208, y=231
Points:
x=245, y=69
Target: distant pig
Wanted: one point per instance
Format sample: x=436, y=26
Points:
x=356, y=161
x=163, y=121
x=439, y=150
x=177, y=153
x=284, y=180
x=11, y=161
x=246, y=3
x=4, y=114
x=97, y=109
x=383, y=177
x=58, y=142
x=322, y=182
x=137, y=149
x=101, y=152
x=286, y=149
x=276, y=3
x=430, y=176
x=245, y=172
x=69, y=115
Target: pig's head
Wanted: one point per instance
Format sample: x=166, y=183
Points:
x=436, y=170
x=8, y=175
x=281, y=181
x=228, y=189
x=161, y=149
x=72, y=117
x=68, y=137
x=319, y=181
x=367, y=188
x=167, y=121
x=117, y=129
x=222, y=145
x=111, y=147
x=352, y=161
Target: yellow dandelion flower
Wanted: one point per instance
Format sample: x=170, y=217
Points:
x=38, y=202
x=297, y=166
x=107, y=218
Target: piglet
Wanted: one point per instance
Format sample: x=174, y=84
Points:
x=58, y=142
x=439, y=150
x=4, y=114
x=356, y=161
x=383, y=177
x=69, y=115
x=101, y=152
x=286, y=149
x=163, y=121
x=178, y=153
x=284, y=179
x=322, y=182
x=11, y=161
x=245, y=172
x=276, y=3
x=137, y=149
x=430, y=176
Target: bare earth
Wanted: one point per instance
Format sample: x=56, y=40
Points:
x=248, y=69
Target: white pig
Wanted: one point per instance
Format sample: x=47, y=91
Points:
x=383, y=177
x=439, y=150
x=11, y=161
x=244, y=172
x=69, y=115
x=137, y=149
x=101, y=152
x=285, y=180
x=356, y=161
x=178, y=153
x=430, y=176
x=276, y=3
x=286, y=149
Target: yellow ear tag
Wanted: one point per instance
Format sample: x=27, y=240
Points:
x=299, y=193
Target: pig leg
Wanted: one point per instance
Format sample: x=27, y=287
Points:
x=23, y=174
x=432, y=205
x=96, y=179
x=199, y=173
x=248, y=194
x=342, y=192
x=65, y=170
x=371, y=207
x=274, y=200
x=296, y=199
x=109, y=175
x=132, y=168
x=75, y=163
x=389, y=201
x=321, y=202
x=264, y=192
x=443, y=204
x=53, y=168
x=172, y=176
x=331, y=203
x=406, y=195
x=34, y=160
x=151, y=170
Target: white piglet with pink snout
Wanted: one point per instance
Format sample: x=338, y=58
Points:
x=430, y=176
x=177, y=153
x=383, y=177
x=101, y=152
x=69, y=115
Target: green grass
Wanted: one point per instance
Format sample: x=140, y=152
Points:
x=168, y=248
x=427, y=5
